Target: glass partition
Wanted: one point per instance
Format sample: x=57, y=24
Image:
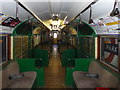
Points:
x=21, y=46
x=87, y=46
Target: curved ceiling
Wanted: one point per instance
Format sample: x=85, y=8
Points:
x=66, y=10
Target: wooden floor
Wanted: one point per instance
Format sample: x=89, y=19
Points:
x=55, y=73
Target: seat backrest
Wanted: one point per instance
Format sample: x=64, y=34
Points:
x=26, y=64
x=69, y=53
x=106, y=78
x=11, y=69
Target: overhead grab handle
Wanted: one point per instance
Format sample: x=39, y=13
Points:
x=115, y=10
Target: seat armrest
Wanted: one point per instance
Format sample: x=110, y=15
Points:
x=91, y=75
x=39, y=63
x=12, y=77
x=70, y=62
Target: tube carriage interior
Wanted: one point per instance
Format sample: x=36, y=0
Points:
x=60, y=44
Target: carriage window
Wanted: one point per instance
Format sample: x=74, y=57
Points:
x=3, y=49
x=109, y=51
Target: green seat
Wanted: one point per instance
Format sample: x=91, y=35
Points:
x=30, y=65
x=42, y=55
x=66, y=55
x=81, y=64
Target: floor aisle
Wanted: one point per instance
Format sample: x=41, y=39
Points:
x=55, y=73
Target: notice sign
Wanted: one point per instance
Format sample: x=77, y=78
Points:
x=107, y=25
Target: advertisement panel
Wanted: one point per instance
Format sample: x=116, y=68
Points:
x=109, y=51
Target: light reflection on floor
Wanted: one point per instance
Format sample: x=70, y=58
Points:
x=55, y=49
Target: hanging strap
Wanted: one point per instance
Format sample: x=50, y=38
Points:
x=17, y=11
x=115, y=4
x=90, y=15
x=80, y=19
x=29, y=18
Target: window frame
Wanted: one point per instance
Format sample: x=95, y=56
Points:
x=100, y=57
x=6, y=36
